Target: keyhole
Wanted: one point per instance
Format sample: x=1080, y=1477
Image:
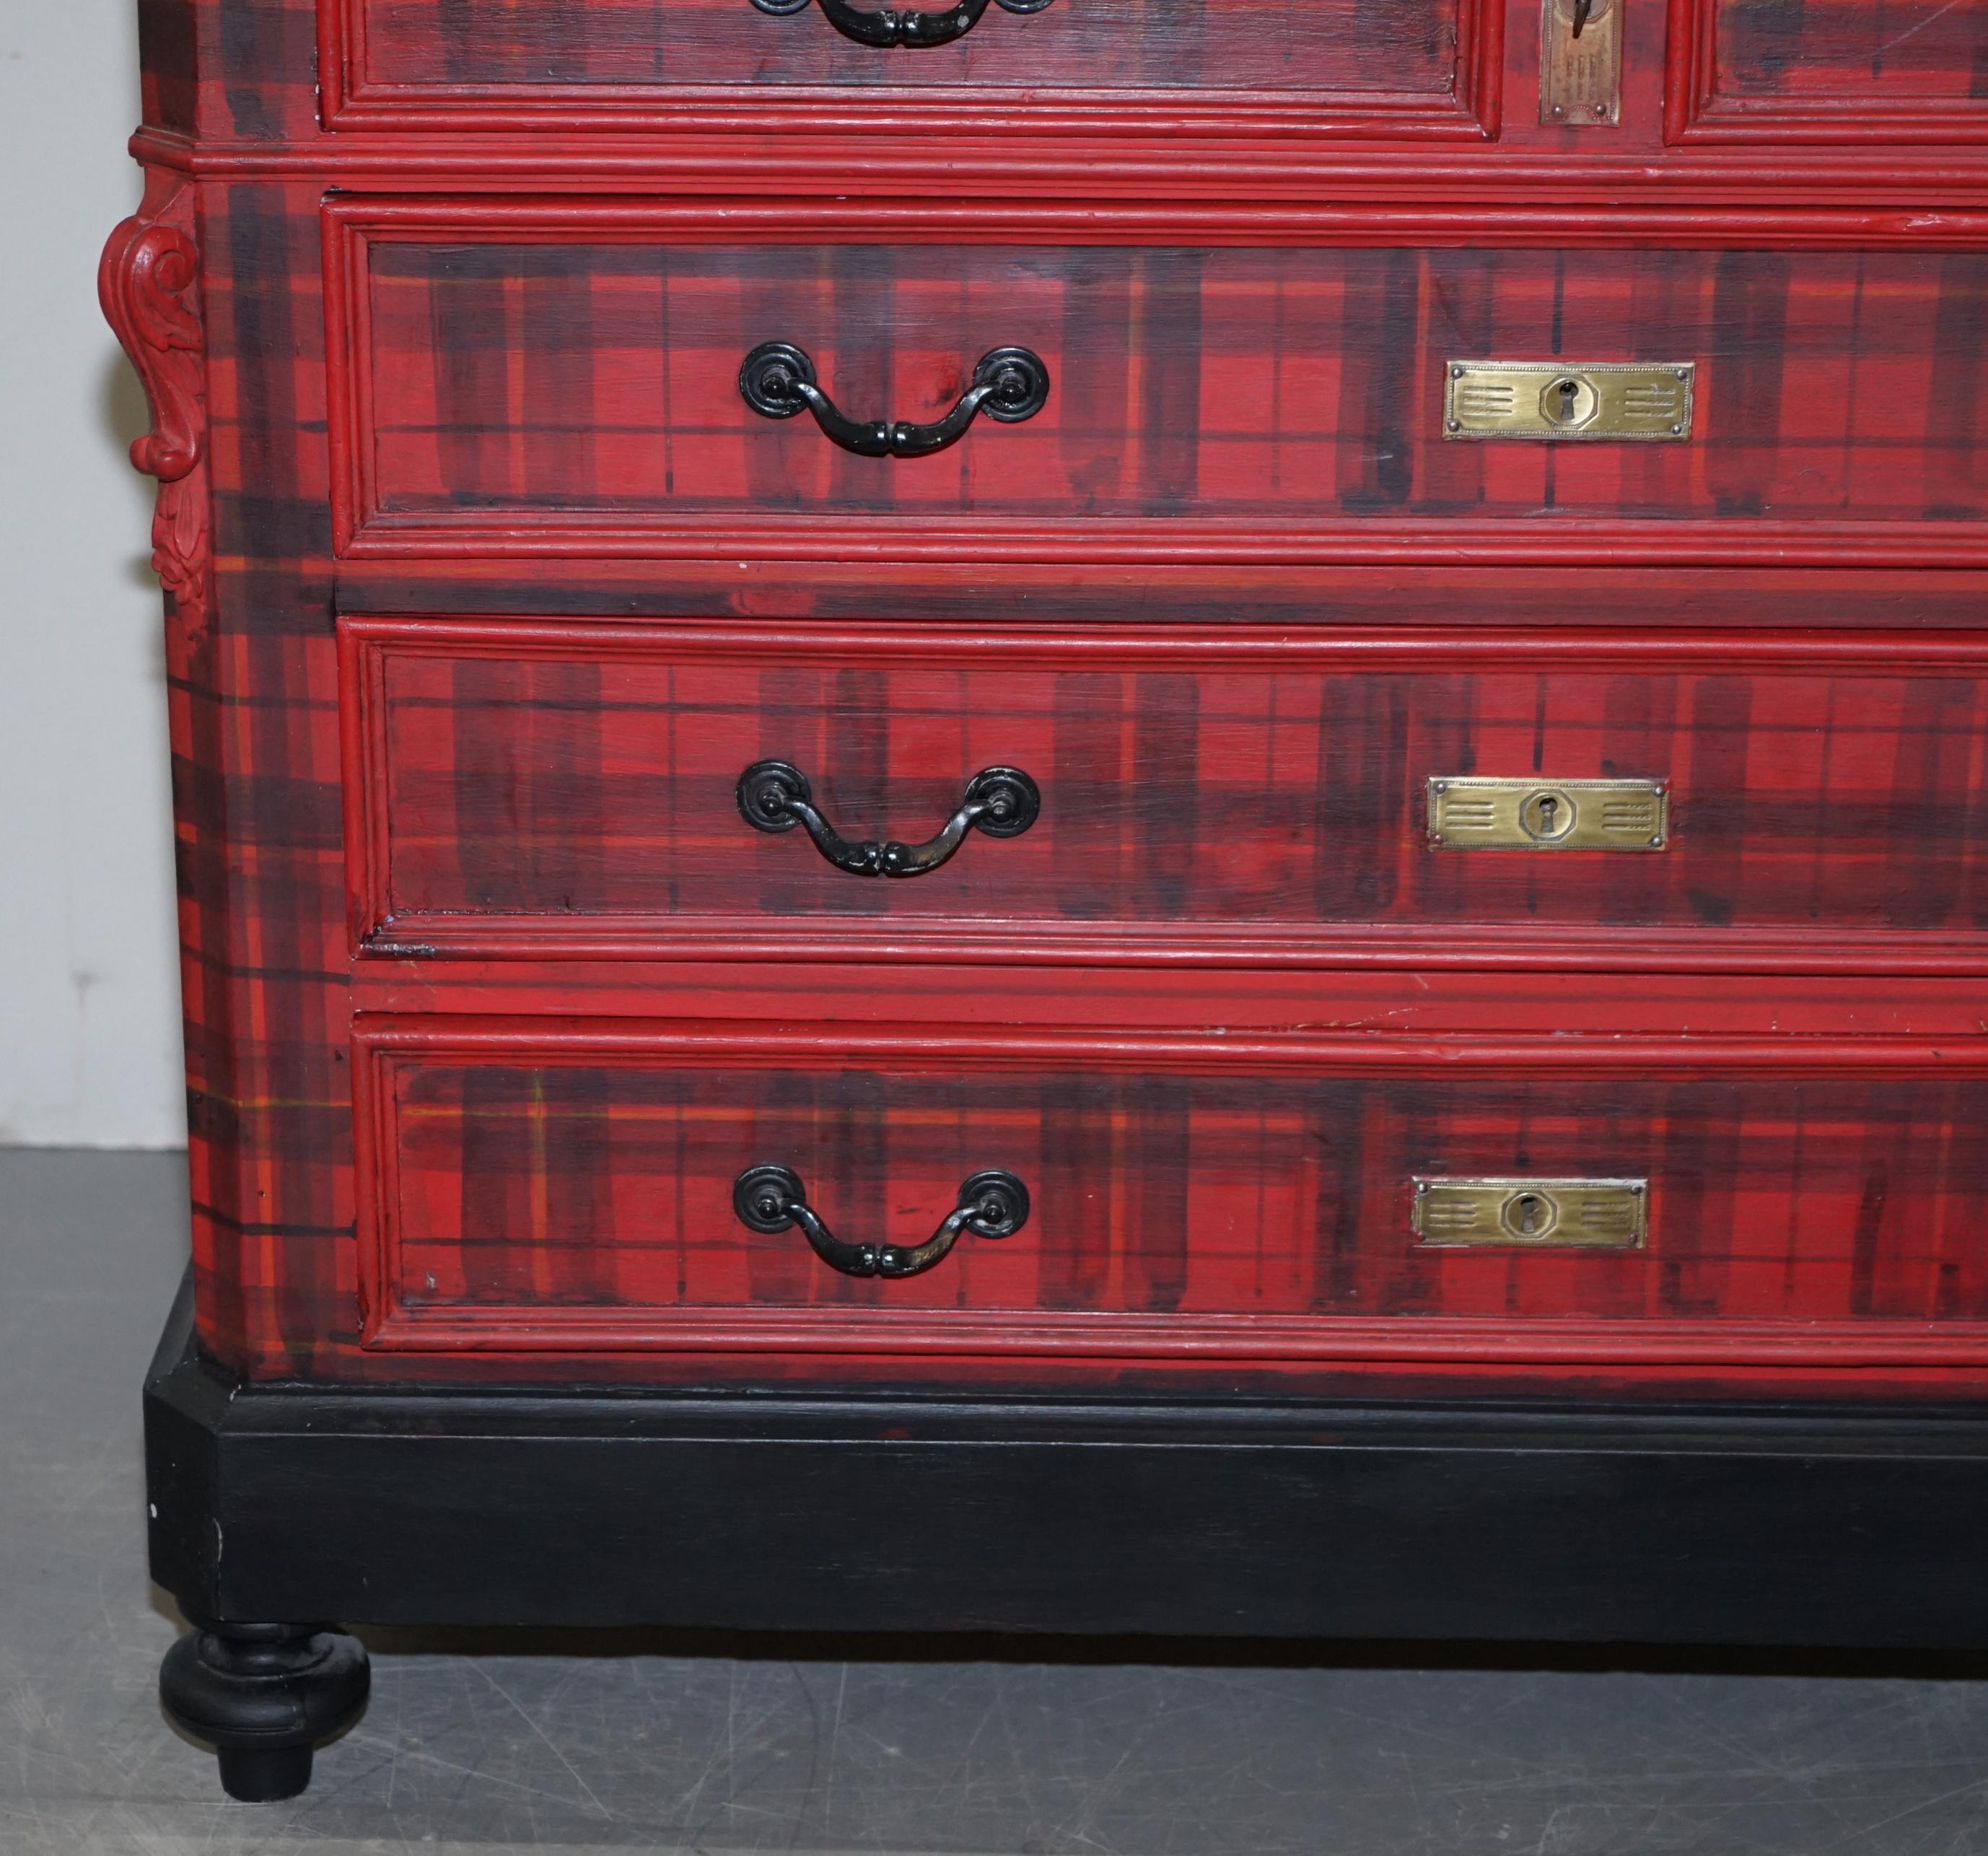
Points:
x=1530, y=1217
x=1548, y=817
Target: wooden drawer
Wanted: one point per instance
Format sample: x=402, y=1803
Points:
x=537, y=789
x=513, y=381
x=569, y=1184
x=1326, y=66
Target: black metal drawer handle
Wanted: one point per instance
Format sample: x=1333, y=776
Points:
x=770, y=1199
x=1002, y=802
x=887, y=26
x=778, y=380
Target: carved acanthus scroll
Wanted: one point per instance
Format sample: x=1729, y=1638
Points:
x=149, y=284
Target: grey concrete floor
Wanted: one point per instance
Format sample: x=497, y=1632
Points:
x=579, y=1744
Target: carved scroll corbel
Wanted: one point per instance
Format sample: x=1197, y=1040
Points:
x=149, y=284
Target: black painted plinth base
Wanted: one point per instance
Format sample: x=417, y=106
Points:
x=1757, y=1526
x=263, y=1696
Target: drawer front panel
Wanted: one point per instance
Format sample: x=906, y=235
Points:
x=530, y=1187
x=1309, y=61
x=535, y=789
x=511, y=392
x=1922, y=51
x=1844, y=71
x=1301, y=47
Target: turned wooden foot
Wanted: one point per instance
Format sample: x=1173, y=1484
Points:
x=263, y=1695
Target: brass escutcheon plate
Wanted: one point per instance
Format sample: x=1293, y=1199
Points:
x=1467, y=813
x=1531, y=1214
x=1577, y=401
x=1580, y=73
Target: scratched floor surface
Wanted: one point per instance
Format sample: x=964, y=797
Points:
x=565, y=1746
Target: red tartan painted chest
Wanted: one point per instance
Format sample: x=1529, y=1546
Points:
x=1093, y=699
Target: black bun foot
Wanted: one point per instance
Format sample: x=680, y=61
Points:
x=262, y=1695
x=263, y=1775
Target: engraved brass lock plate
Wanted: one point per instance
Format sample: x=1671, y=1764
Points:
x=1573, y=402
x=1580, y=63
x=1466, y=812
x=1531, y=1214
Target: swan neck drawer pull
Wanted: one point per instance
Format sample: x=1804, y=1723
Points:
x=887, y=26
x=771, y=1199
x=777, y=380
x=1000, y=802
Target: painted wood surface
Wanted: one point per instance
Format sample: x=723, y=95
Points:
x=546, y=787
x=527, y=1186
x=574, y=385
x=1303, y=46
x=1832, y=51
x=1762, y=72
x=1740, y=99
x=1338, y=68
x=1245, y=296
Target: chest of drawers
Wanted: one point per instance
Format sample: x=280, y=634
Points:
x=1119, y=816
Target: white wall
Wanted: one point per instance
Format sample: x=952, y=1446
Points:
x=89, y=1041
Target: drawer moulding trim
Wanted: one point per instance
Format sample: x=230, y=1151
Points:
x=1132, y=164
x=1596, y=602
x=426, y=940
x=1607, y=224
x=1535, y=541
x=585, y=1040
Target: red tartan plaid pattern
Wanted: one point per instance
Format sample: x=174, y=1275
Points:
x=248, y=68
x=270, y=988
x=269, y=985
x=529, y=1186
x=580, y=785
x=1301, y=45
x=1837, y=51
x=256, y=779
x=599, y=378
x=244, y=68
